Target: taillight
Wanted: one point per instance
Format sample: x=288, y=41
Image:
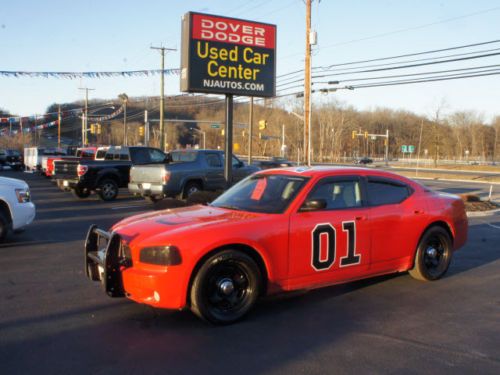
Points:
x=81, y=170
x=165, y=176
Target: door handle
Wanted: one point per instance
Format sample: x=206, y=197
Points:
x=358, y=218
x=418, y=212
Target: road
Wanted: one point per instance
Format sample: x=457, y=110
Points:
x=53, y=320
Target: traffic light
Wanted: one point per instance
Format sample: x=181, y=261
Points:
x=354, y=134
x=222, y=132
x=98, y=128
x=243, y=133
x=141, y=131
x=262, y=124
x=92, y=129
x=366, y=135
x=260, y=135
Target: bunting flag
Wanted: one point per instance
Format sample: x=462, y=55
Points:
x=28, y=130
x=76, y=75
x=107, y=117
x=16, y=119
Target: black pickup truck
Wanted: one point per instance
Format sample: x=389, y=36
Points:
x=105, y=177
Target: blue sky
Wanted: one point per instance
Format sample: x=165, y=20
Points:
x=116, y=35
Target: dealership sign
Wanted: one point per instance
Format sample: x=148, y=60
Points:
x=228, y=56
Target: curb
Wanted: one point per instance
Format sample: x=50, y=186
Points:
x=482, y=213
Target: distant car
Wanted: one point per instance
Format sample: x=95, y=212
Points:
x=16, y=208
x=11, y=158
x=274, y=163
x=278, y=230
x=365, y=160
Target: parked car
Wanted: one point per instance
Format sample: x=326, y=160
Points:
x=274, y=162
x=11, y=158
x=16, y=208
x=365, y=160
x=184, y=173
x=104, y=176
x=278, y=230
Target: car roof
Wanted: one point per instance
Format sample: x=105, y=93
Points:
x=331, y=171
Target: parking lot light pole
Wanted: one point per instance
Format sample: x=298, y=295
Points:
x=124, y=98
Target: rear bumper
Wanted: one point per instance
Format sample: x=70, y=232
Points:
x=147, y=189
x=151, y=285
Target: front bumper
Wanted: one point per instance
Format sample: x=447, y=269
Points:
x=163, y=287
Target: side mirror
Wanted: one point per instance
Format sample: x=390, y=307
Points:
x=313, y=205
x=168, y=158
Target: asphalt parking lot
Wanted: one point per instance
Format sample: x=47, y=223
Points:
x=53, y=320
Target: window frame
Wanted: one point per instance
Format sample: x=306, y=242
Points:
x=333, y=179
x=388, y=181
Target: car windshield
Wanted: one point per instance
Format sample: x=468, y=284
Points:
x=267, y=193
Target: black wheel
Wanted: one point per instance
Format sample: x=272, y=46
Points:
x=153, y=199
x=190, y=188
x=108, y=190
x=80, y=192
x=226, y=287
x=433, y=255
x=4, y=226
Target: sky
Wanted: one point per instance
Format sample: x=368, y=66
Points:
x=56, y=35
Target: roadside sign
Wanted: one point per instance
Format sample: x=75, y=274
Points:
x=411, y=149
x=215, y=126
x=404, y=149
x=223, y=55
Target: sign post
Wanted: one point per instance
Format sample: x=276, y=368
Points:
x=228, y=56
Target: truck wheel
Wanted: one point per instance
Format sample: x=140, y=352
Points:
x=433, y=255
x=4, y=226
x=226, y=287
x=190, y=188
x=108, y=190
x=80, y=192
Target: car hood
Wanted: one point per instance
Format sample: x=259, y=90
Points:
x=154, y=227
x=14, y=182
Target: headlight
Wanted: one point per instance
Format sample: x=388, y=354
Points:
x=161, y=255
x=23, y=195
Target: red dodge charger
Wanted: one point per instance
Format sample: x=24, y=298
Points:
x=278, y=230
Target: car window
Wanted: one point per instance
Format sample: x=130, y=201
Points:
x=338, y=194
x=234, y=160
x=183, y=156
x=124, y=155
x=262, y=193
x=108, y=156
x=213, y=160
x=156, y=156
x=100, y=154
x=382, y=192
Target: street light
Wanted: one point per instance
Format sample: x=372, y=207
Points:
x=203, y=133
x=124, y=98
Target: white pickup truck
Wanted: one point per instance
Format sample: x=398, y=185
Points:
x=16, y=208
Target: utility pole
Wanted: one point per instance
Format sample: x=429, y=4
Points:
x=59, y=126
x=283, y=140
x=419, y=145
x=85, y=115
x=250, y=131
x=163, y=139
x=307, y=87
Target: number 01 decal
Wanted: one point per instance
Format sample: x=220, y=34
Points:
x=323, y=260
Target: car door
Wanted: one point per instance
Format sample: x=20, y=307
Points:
x=395, y=217
x=215, y=171
x=332, y=243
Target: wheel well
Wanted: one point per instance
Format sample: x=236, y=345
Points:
x=110, y=176
x=248, y=250
x=440, y=224
x=4, y=208
x=199, y=181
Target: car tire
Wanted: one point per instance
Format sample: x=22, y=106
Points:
x=81, y=192
x=433, y=255
x=153, y=199
x=190, y=188
x=4, y=226
x=108, y=190
x=226, y=287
